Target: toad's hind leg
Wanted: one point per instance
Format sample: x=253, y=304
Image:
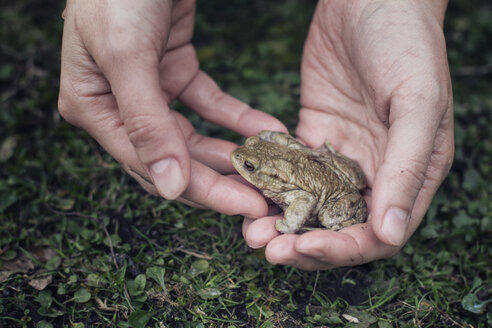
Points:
x=347, y=210
x=296, y=214
x=348, y=167
x=282, y=139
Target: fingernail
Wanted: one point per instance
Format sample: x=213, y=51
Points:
x=256, y=246
x=394, y=226
x=167, y=177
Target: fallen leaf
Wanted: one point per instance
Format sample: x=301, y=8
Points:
x=21, y=264
x=350, y=318
x=209, y=293
x=139, y=318
x=43, y=255
x=198, y=267
x=40, y=283
x=82, y=295
x=157, y=273
x=95, y=280
x=9, y=255
x=7, y=148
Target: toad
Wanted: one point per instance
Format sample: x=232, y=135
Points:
x=313, y=187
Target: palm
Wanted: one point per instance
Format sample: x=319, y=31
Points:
x=334, y=109
x=349, y=82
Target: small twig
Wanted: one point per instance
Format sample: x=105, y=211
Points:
x=314, y=287
x=452, y=320
x=192, y=253
x=415, y=311
x=113, y=308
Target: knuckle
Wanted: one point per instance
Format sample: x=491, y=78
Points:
x=122, y=48
x=217, y=96
x=125, y=45
x=65, y=109
x=194, y=139
x=443, y=153
x=448, y=156
x=142, y=130
x=442, y=160
x=429, y=92
x=411, y=175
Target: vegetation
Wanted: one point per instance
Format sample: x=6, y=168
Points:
x=81, y=244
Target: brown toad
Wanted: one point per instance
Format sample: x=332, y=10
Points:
x=307, y=184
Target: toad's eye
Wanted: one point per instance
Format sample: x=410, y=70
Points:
x=248, y=166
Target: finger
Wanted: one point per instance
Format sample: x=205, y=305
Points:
x=130, y=63
x=207, y=188
x=212, y=152
x=351, y=246
x=149, y=123
x=404, y=169
x=210, y=190
x=246, y=222
x=99, y=116
x=281, y=250
x=210, y=102
x=440, y=162
x=261, y=231
x=149, y=186
x=223, y=194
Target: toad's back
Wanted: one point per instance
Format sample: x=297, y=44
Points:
x=307, y=184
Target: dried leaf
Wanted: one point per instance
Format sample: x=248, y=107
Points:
x=209, y=293
x=350, y=318
x=21, y=264
x=7, y=148
x=43, y=255
x=40, y=283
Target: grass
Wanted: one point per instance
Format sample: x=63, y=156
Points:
x=82, y=245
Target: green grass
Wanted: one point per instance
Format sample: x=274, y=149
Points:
x=82, y=245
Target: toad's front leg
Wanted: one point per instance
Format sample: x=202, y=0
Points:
x=296, y=214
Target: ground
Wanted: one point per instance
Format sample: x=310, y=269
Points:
x=82, y=245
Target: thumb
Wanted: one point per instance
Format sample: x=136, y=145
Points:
x=150, y=125
x=402, y=173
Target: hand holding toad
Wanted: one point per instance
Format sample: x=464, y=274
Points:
x=123, y=62
x=376, y=84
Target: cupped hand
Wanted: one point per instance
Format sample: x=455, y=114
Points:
x=375, y=83
x=123, y=62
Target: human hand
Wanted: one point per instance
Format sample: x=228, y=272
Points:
x=376, y=84
x=123, y=62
